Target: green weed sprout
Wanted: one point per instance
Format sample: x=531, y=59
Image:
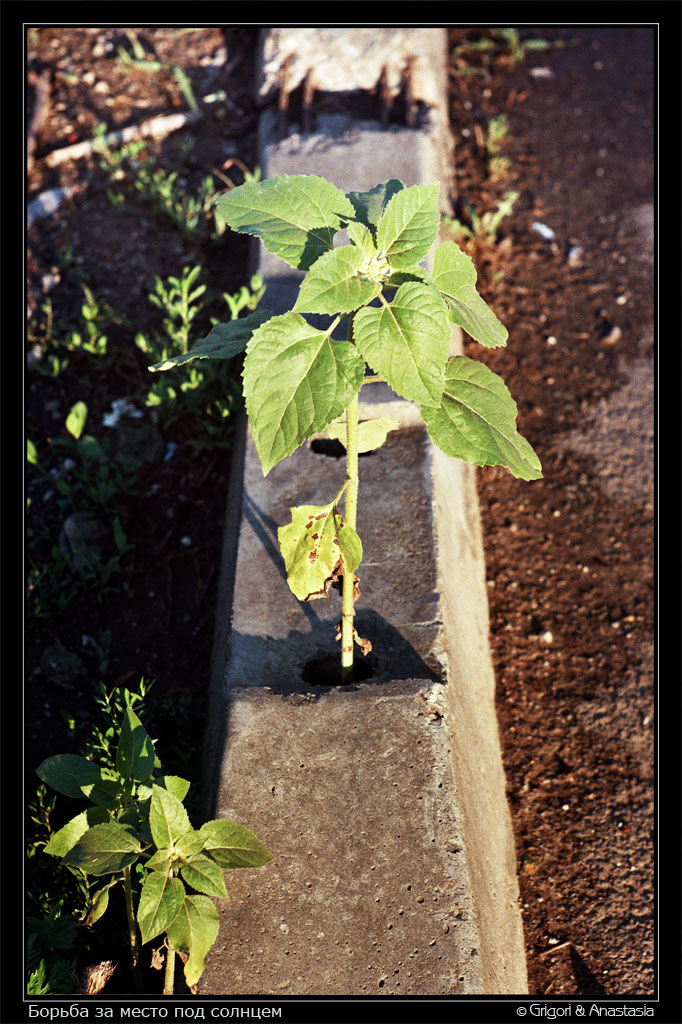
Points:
x=137, y=819
x=298, y=380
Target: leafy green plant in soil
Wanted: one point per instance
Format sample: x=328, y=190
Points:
x=136, y=836
x=205, y=397
x=299, y=380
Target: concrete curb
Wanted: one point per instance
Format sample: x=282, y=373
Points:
x=383, y=802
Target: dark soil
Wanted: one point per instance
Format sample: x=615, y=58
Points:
x=569, y=558
x=155, y=619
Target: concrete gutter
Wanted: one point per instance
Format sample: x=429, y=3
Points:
x=382, y=802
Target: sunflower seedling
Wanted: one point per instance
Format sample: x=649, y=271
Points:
x=299, y=380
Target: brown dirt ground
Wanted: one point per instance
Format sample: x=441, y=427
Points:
x=569, y=559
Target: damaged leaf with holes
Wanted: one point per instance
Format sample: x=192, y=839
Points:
x=318, y=548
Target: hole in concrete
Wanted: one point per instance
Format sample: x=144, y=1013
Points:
x=325, y=669
x=332, y=448
x=325, y=446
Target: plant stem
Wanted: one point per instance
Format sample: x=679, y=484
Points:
x=132, y=930
x=169, y=976
x=351, y=508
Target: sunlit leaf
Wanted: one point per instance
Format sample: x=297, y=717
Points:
x=295, y=216
x=409, y=225
x=233, y=846
x=407, y=342
x=476, y=420
x=296, y=380
x=454, y=274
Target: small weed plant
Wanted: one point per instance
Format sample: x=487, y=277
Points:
x=133, y=173
x=299, y=379
x=90, y=482
x=498, y=165
x=136, y=834
x=506, y=45
x=481, y=228
x=54, y=345
x=206, y=395
x=140, y=60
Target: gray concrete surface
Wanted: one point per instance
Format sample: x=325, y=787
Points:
x=384, y=802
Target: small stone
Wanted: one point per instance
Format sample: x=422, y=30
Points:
x=613, y=336
x=541, y=73
x=574, y=255
x=102, y=47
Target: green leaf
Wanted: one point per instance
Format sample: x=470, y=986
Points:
x=222, y=342
x=105, y=849
x=233, y=846
x=185, y=86
x=362, y=237
x=99, y=903
x=58, y=933
x=161, y=861
x=371, y=433
x=296, y=380
x=454, y=274
x=409, y=225
x=369, y=206
x=295, y=216
x=407, y=342
x=175, y=785
x=161, y=899
x=476, y=421
x=67, y=836
x=317, y=548
x=335, y=283
x=168, y=819
x=194, y=931
x=75, y=421
x=203, y=873
x=135, y=752
x=189, y=845
x=68, y=773
x=31, y=452
x=106, y=792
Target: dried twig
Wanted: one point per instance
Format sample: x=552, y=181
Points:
x=156, y=128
